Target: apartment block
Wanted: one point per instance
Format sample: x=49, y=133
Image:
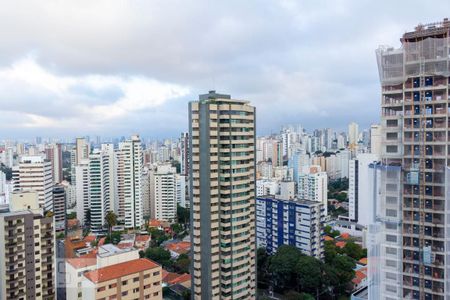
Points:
x=135, y=279
x=296, y=222
x=27, y=249
x=222, y=132
x=415, y=137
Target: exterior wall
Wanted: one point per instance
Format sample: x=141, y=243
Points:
x=27, y=239
x=142, y=285
x=289, y=222
x=130, y=168
x=222, y=198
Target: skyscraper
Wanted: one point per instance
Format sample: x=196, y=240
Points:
x=353, y=133
x=34, y=173
x=415, y=102
x=129, y=175
x=222, y=132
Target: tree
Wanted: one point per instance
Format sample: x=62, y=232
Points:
x=353, y=250
x=176, y=228
x=283, y=267
x=111, y=220
x=309, y=274
x=183, y=215
x=182, y=264
x=72, y=215
x=158, y=237
x=160, y=255
x=262, y=263
x=293, y=295
x=330, y=251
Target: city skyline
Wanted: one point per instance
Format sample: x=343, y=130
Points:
x=135, y=84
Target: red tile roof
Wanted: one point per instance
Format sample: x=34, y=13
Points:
x=180, y=247
x=328, y=238
x=83, y=261
x=360, y=275
x=174, y=278
x=120, y=270
x=125, y=245
x=89, y=238
x=341, y=244
x=363, y=261
x=345, y=235
x=101, y=242
x=142, y=238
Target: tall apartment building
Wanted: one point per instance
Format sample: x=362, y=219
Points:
x=53, y=153
x=82, y=190
x=361, y=187
x=415, y=113
x=296, y=222
x=99, y=188
x=353, y=135
x=82, y=150
x=313, y=185
x=222, y=132
x=59, y=207
x=27, y=250
x=34, y=173
x=129, y=175
x=164, y=193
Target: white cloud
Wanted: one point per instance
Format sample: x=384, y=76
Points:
x=132, y=94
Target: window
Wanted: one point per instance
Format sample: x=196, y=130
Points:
x=101, y=289
x=156, y=283
x=155, y=273
x=136, y=279
x=124, y=293
x=124, y=282
x=146, y=276
x=136, y=290
x=111, y=286
x=156, y=294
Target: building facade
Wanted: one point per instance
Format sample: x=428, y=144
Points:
x=34, y=173
x=27, y=250
x=294, y=222
x=134, y=279
x=222, y=134
x=415, y=110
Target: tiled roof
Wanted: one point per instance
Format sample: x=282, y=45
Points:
x=174, y=278
x=360, y=275
x=120, y=270
x=341, y=244
x=345, y=235
x=363, y=261
x=83, y=261
x=142, y=238
x=89, y=238
x=180, y=247
x=328, y=238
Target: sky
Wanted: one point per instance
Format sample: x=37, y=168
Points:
x=113, y=68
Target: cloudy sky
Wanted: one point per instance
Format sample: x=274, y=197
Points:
x=114, y=68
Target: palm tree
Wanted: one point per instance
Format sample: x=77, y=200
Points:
x=111, y=220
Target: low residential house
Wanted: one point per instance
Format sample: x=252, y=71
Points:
x=178, y=248
x=142, y=241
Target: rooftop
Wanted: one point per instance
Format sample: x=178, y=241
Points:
x=120, y=270
x=83, y=261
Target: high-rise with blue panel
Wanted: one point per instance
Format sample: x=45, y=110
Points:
x=295, y=222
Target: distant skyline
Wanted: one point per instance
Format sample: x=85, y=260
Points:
x=114, y=68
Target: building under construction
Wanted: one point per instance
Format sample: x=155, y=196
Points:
x=412, y=239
